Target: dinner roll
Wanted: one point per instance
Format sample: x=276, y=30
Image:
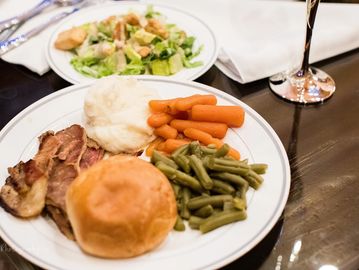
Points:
x=121, y=207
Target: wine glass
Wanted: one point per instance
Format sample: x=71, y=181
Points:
x=308, y=84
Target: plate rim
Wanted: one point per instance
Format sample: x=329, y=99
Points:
x=228, y=258
x=204, y=69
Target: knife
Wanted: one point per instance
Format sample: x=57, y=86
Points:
x=8, y=45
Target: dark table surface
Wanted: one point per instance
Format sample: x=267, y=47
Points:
x=319, y=228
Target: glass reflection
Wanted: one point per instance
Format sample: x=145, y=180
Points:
x=279, y=262
x=328, y=267
x=296, y=248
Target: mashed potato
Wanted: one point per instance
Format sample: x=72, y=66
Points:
x=116, y=111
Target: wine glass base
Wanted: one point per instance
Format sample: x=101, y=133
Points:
x=313, y=87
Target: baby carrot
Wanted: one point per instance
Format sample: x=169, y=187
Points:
x=233, y=116
x=166, y=132
x=217, y=130
x=186, y=103
x=164, y=105
x=159, y=119
x=153, y=145
x=198, y=135
x=172, y=144
x=181, y=115
x=207, y=139
x=234, y=154
x=161, y=146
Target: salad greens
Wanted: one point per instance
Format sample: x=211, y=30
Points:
x=134, y=44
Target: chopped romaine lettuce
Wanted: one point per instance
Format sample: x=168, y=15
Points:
x=143, y=37
x=175, y=63
x=160, y=67
x=131, y=29
x=132, y=54
x=195, y=54
x=150, y=13
x=133, y=69
x=105, y=29
x=188, y=42
x=107, y=51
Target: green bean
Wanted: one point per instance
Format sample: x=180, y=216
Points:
x=230, y=158
x=254, y=179
x=157, y=156
x=259, y=168
x=213, y=146
x=232, y=178
x=182, y=150
x=222, y=187
x=228, y=205
x=221, y=219
x=217, y=210
x=195, y=148
x=226, y=162
x=230, y=169
x=180, y=177
x=222, y=151
x=239, y=203
x=194, y=222
x=207, y=150
x=211, y=164
x=242, y=194
x=183, y=162
x=205, y=160
x=215, y=201
x=179, y=225
x=186, y=196
x=177, y=189
x=200, y=171
x=204, y=211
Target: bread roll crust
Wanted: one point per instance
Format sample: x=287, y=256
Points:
x=121, y=207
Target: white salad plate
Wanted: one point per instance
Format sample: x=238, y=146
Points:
x=59, y=60
x=39, y=240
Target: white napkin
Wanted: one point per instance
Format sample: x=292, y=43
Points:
x=31, y=54
x=261, y=38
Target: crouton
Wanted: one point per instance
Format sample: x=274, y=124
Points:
x=155, y=27
x=70, y=39
x=144, y=51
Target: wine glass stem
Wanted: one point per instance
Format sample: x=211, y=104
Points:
x=312, y=7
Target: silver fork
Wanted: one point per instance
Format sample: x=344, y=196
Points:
x=6, y=34
x=19, y=19
x=8, y=45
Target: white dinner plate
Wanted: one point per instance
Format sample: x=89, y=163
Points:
x=59, y=60
x=39, y=240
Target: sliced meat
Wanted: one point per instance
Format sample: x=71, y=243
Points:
x=19, y=198
x=66, y=167
x=24, y=192
x=60, y=178
x=44, y=180
x=61, y=220
x=93, y=154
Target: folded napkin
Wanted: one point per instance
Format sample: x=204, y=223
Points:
x=31, y=54
x=261, y=38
